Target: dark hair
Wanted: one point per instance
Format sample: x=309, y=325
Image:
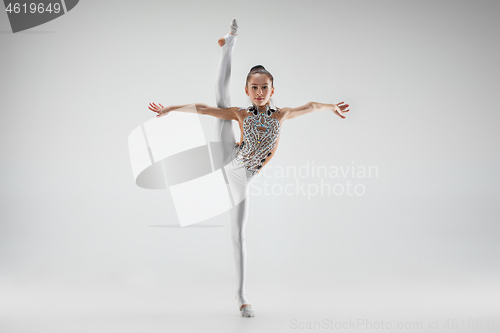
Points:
x=259, y=69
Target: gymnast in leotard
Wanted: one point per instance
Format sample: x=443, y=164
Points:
x=259, y=136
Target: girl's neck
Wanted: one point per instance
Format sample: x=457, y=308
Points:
x=262, y=107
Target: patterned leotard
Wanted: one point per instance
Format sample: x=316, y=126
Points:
x=260, y=132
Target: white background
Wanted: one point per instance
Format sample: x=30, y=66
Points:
x=82, y=248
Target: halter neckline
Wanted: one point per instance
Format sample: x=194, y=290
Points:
x=255, y=110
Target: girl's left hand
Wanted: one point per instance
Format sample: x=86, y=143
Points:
x=340, y=109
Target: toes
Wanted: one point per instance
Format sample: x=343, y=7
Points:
x=247, y=312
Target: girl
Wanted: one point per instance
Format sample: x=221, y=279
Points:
x=259, y=136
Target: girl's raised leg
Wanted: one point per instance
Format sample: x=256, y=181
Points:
x=224, y=133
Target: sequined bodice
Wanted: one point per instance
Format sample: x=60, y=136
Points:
x=260, y=132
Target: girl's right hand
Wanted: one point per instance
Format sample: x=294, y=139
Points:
x=161, y=110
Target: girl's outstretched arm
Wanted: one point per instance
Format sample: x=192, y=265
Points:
x=339, y=109
x=200, y=108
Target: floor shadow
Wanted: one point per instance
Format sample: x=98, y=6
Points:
x=189, y=226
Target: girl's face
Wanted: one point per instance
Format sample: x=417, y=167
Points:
x=259, y=89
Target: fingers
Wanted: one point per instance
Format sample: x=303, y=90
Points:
x=343, y=107
x=342, y=112
x=155, y=108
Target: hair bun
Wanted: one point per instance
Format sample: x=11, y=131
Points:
x=256, y=67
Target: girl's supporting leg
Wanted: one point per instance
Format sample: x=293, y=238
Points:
x=238, y=220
